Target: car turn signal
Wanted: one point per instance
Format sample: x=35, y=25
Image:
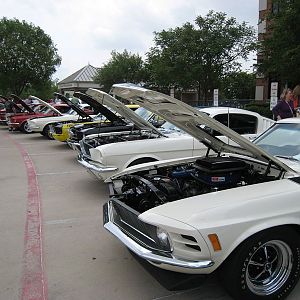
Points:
x=215, y=242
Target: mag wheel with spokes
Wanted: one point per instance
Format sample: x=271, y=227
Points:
x=47, y=132
x=25, y=128
x=269, y=267
x=266, y=266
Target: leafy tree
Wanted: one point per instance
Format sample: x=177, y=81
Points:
x=198, y=56
x=28, y=56
x=122, y=67
x=44, y=91
x=281, y=48
x=238, y=85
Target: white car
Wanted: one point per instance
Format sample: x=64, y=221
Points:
x=43, y=124
x=234, y=211
x=106, y=154
x=136, y=121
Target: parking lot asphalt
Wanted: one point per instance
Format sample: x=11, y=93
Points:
x=53, y=244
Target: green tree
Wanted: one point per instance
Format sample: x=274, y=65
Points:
x=198, y=56
x=238, y=85
x=28, y=56
x=43, y=91
x=281, y=48
x=122, y=67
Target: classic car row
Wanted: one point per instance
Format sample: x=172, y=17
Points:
x=211, y=190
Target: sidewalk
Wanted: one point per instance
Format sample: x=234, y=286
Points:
x=13, y=201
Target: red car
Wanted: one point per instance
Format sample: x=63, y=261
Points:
x=18, y=121
x=9, y=108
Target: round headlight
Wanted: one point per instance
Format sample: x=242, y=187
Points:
x=163, y=239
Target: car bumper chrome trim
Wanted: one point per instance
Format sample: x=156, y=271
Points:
x=74, y=145
x=147, y=254
x=94, y=168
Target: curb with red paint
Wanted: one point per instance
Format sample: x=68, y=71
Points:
x=34, y=283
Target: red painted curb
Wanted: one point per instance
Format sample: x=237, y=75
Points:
x=34, y=283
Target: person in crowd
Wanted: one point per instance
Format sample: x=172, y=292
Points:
x=285, y=107
x=296, y=99
x=9, y=106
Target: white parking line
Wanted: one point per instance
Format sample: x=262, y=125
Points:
x=48, y=153
x=59, y=173
x=33, y=143
x=63, y=221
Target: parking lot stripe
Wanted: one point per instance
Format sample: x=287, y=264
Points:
x=34, y=283
x=59, y=173
x=49, y=153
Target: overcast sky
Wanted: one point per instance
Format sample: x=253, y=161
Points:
x=86, y=31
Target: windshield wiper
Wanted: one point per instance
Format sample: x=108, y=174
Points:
x=287, y=157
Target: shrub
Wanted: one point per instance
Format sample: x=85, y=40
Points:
x=263, y=108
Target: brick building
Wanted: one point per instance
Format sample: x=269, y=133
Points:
x=263, y=81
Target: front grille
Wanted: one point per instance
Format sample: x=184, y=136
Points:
x=127, y=220
x=75, y=134
x=85, y=148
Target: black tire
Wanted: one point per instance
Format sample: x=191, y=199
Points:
x=141, y=161
x=265, y=266
x=47, y=133
x=25, y=128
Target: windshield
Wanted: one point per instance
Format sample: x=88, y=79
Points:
x=72, y=112
x=143, y=113
x=169, y=126
x=48, y=110
x=100, y=117
x=281, y=140
x=40, y=108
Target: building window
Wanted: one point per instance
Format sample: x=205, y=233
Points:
x=275, y=8
x=262, y=26
x=259, y=93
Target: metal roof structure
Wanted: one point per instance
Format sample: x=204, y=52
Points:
x=83, y=78
x=85, y=74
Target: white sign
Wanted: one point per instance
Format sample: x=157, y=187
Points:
x=274, y=89
x=216, y=97
x=273, y=102
x=274, y=93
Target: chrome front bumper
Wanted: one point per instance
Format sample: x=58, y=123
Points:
x=90, y=166
x=153, y=256
x=74, y=145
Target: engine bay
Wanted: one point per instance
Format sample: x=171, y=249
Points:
x=120, y=137
x=144, y=190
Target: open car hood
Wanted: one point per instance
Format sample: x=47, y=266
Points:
x=192, y=121
x=46, y=104
x=20, y=101
x=12, y=103
x=79, y=111
x=121, y=109
x=99, y=108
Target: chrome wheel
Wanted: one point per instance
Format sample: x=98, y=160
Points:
x=26, y=127
x=269, y=267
